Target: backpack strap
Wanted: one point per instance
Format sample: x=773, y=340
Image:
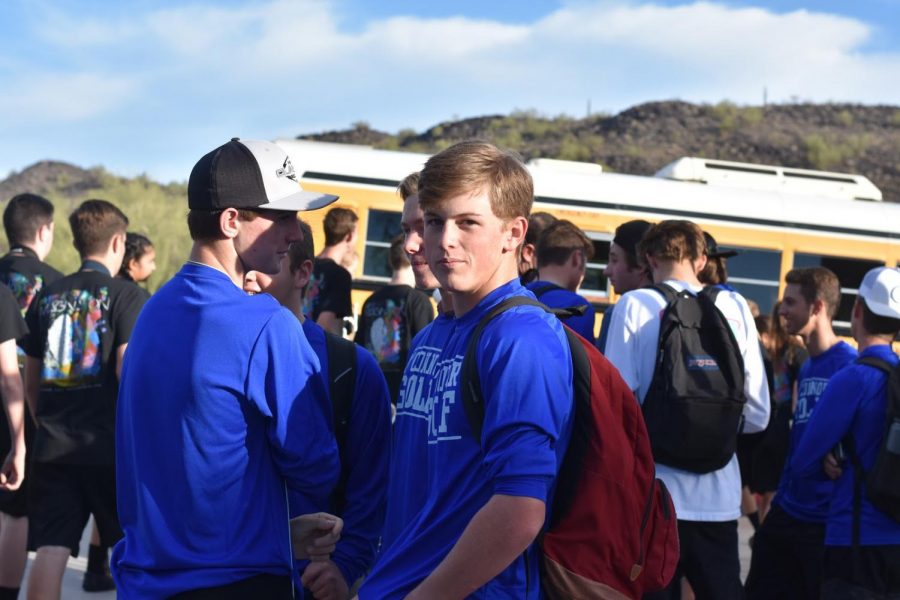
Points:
x=546, y=286
x=472, y=398
x=342, y=387
x=859, y=474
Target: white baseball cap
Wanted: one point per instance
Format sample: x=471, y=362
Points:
x=250, y=174
x=880, y=289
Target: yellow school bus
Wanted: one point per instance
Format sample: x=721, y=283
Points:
x=776, y=218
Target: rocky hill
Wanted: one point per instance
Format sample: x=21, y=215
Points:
x=833, y=137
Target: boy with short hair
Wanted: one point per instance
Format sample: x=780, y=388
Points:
x=79, y=327
x=365, y=449
x=222, y=412
x=328, y=299
x=28, y=222
x=624, y=271
x=707, y=504
x=528, y=263
x=392, y=316
x=563, y=252
x=486, y=499
x=851, y=412
x=788, y=549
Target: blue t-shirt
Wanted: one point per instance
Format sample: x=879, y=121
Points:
x=367, y=453
x=854, y=401
x=221, y=414
x=806, y=497
x=407, y=484
x=604, y=328
x=526, y=371
x=557, y=297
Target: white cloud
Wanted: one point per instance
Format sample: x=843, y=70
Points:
x=199, y=72
x=54, y=97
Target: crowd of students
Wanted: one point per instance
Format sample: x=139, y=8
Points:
x=229, y=441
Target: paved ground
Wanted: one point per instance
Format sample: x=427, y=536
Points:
x=71, y=589
x=75, y=570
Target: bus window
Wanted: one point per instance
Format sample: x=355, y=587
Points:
x=849, y=271
x=595, y=284
x=383, y=226
x=756, y=274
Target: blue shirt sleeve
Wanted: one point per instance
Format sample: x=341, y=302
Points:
x=829, y=422
x=526, y=378
x=368, y=454
x=293, y=396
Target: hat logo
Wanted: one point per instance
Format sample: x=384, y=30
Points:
x=287, y=170
x=895, y=294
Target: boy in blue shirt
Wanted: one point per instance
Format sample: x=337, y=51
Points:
x=486, y=500
x=366, y=448
x=222, y=413
x=789, y=545
x=854, y=404
x=562, y=256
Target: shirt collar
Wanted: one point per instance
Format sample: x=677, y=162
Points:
x=93, y=265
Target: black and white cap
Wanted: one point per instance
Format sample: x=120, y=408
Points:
x=250, y=174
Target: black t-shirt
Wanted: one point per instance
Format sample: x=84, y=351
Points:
x=23, y=272
x=12, y=327
x=390, y=319
x=75, y=327
x=329, y=290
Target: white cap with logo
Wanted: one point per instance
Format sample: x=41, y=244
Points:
x=880, y=289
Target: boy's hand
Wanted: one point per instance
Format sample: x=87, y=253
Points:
x=325, y=581
x=315, y=535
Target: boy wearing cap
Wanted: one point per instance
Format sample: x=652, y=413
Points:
x=486, y=498
x=789, y=544
x=853, y=406
x=221, y=413
x=563, y=252
x=624, y=271
x=79, y=327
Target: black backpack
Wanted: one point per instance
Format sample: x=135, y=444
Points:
x=694, y=406
x=341, y=388
x=882, y=482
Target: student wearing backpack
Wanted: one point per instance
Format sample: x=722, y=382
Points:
x=706, y=490
x=862, y=542
x=562, y=256
x=788, y=547
x=364, y=439
x=486, y=499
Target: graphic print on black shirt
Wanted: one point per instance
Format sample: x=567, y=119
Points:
x=25, y=275
x=75, y=327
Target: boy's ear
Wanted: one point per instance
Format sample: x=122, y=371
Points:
x=228, y=223
x=303, y=274
x=515, y=234
x=117, y=243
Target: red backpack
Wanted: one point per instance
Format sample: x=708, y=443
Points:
x=612, y=530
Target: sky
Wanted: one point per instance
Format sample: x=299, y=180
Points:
x=149, y=86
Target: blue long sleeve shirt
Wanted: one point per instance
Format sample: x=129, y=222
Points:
x=367, y=454
x=854, y=402
x=408, y=481
x=221, y=415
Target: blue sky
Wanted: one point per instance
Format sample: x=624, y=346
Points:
x=147, y=86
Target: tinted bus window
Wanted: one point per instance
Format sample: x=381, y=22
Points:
x=756, y=274
x=382, y=227
x=595, y=284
